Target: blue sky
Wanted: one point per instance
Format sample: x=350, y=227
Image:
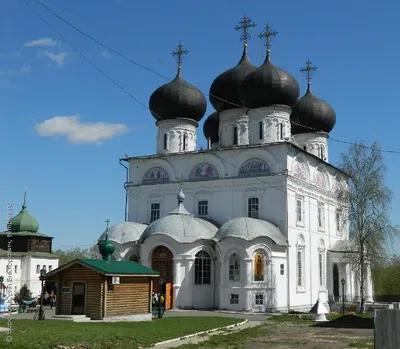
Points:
x=73, y=177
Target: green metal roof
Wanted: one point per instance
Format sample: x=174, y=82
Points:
x=26, y=233
x=23, y=221
x=119, y=267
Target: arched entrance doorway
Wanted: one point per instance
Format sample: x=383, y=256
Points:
x=335, y=282
x=162, y=261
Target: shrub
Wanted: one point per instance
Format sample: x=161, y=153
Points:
x=24, y=294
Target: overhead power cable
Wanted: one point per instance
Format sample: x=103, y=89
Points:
x=164, y=77
x=134, y=98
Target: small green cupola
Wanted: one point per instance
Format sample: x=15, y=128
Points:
x=106, y=247
x=23, y=221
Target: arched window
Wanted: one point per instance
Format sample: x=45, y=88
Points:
x=259, y=261
x=234, y=267
x=202, y=268
x=165, y=141
x=235, y=136
x=184, y=142
x=321, y=263
x=300, y=262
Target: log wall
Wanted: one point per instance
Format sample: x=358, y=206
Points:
x=95, y=285
x=131, y=296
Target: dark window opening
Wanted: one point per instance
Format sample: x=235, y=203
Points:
x=165, y=142
x=281, y=131
x=235, y=136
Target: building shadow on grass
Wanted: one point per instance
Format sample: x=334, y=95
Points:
x=348, y=321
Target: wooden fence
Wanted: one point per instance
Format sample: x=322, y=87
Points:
x=387, y=328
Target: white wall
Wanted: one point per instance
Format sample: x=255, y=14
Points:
x=271, y=118
x=273, y=288
x=227, y=194
x=316, y=186
x=24, y=271
x=186, y=294
x=176, y=130
x=228, y=120
x=313, y=143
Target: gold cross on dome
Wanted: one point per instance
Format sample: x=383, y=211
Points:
x=308, y=70
x=267, y=35
x=179, y=53
x=244, y=25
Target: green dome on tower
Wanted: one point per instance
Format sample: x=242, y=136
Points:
x=23, y=221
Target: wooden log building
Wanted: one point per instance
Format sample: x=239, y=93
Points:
x=104, y=288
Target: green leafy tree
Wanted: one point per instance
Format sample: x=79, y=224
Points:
x=24, y=294
x=387, y=278
x=66, y=256
x=366, y=204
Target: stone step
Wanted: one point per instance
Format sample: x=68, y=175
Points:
x=74, y=318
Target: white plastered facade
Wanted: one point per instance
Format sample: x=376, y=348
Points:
x=274, y=180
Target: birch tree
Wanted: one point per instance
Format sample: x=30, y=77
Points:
x=366, y=203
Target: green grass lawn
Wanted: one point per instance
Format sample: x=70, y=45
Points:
x=335, y=320
x=30, y=334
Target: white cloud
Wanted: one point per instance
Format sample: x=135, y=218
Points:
x=25, y=69
x=58, y=58
x=41, y=42
x=77, y=132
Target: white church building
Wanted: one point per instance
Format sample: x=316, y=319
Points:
x=24, y=251
x=252, y=223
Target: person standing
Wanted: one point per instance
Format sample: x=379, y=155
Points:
x=52, y=299
x=3, y=304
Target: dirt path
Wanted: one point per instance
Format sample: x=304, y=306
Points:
x=254, y=335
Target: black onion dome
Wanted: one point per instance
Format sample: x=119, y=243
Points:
x=211, y=128
x=312, y=114
x=226, y=87
x=269, y=85
x=177, y=99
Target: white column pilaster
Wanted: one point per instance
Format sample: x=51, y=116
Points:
x=249, y=276
x=271, y=274
x=249, y=282
x=177, y=281
x=368, y=285
x=348, y=283
x=222, y=283
x=189, y=271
